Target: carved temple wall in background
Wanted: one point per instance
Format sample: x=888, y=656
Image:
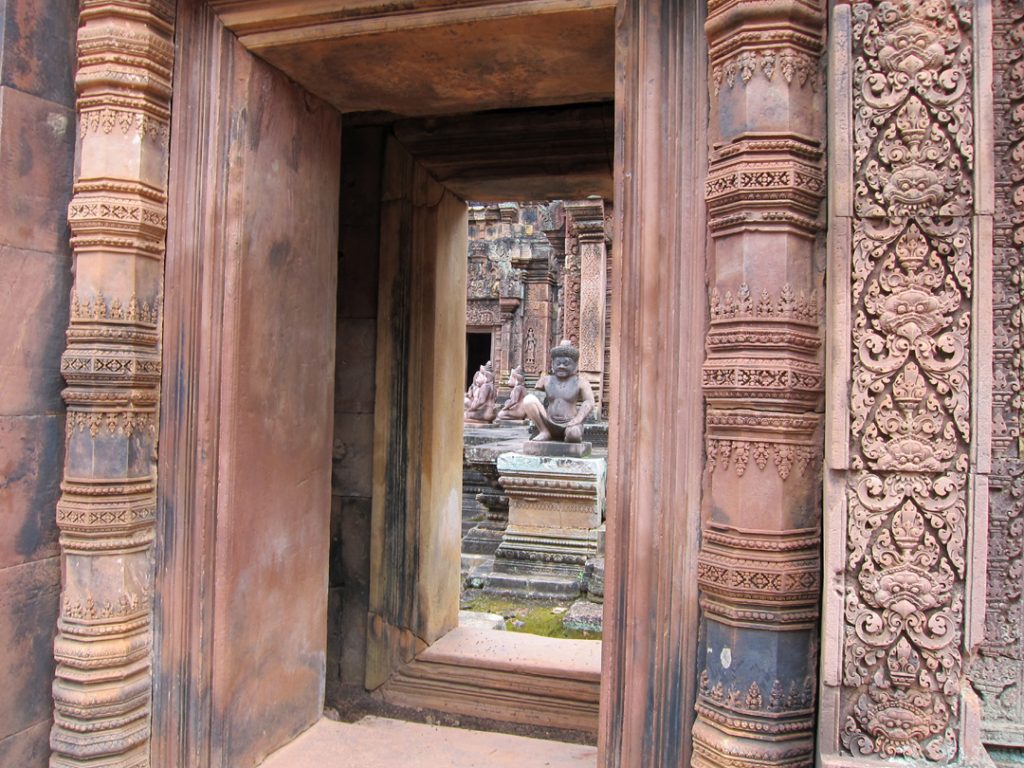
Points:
x=909, y=217
x=998, y=670
x=118, y=222
x=759, y=564
x=539, y=273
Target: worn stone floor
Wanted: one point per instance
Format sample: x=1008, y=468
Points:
x=376, y=742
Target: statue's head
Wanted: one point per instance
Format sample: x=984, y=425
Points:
x=564, y=359
x=515, y=376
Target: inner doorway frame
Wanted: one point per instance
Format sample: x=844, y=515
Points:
x=659, y=299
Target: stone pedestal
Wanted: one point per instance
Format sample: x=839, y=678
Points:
x=556, y=506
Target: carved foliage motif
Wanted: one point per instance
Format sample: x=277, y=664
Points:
x=910, y=390
x=998, y=671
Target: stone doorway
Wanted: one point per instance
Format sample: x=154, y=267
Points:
x=479, y=346
x=242, y=513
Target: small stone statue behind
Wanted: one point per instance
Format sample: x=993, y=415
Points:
x=568, y=399
x=480, y=401
x=513, y=409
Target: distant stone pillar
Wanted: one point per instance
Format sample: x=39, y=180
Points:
x=118, y=220
x=538, y=315
x=909, y=454
x=759, y=564
x=585, y=288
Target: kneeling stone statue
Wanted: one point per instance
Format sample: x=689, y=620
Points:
x=568, y=398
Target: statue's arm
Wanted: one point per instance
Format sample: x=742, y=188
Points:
x=586, y=406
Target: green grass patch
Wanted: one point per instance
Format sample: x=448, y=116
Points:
x=535, y=617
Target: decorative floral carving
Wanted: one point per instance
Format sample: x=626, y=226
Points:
x=792, y=66
x=910, y=389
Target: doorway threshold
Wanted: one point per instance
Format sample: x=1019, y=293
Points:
x=506, y=677
x=376, y=742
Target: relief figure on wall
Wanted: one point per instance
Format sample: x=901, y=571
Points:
x=568, y=398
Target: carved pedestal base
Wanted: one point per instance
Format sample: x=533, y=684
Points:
x=555, y=510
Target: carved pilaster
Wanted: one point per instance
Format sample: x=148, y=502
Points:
x=908, y=250
x=585, y=286
x=759, y=566
x=118, y=222
x=998, y=671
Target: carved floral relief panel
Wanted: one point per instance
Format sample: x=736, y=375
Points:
x=910, y=392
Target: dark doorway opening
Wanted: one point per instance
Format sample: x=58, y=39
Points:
x=478, y=352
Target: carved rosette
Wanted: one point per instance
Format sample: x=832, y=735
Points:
x=997, y=673
x=118, y=220
x=910, y=407
x=759, y=566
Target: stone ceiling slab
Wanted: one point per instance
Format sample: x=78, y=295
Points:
x=428, y=57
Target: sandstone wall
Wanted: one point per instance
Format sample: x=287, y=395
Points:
x=37, y=138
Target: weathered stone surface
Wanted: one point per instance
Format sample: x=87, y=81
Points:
x=273, y=514
x=352, y=473
x=37, y=142
x=33, y=318
x=27, y=749
x=29, y=597
x=584, y=616
x=355, y=366
x=31, y=449
x=37, y=48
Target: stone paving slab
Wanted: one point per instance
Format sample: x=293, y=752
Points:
x=375, y=742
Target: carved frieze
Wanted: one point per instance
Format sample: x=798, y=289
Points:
x=910, y=399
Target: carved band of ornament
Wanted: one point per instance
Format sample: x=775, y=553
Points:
x=750, y=581
x=95, y=654
x=131, y=311
x=146, y=49
x=123, y=423
x=711, y=748
x=762, y=617
x=105, y=243
x=744, y=539
x=766, y=38
x=87, y=516
x=81, y=335
x=159, y=13
x=107, y=186
x=751, y=724
x=118, y=216
x=737, y=378
x=105, y=366
x=785, y=146
x=780, y=700
x=762, y=421
x=738, y=453
x=97, y=541
x=790, y=64
x=128, y=605
x=759, y=335
x=144, y=84
x=789, y=305
x=764, y=219
x=73, y=631
x=114, y=398
x=744, y=181
x=127, y=121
